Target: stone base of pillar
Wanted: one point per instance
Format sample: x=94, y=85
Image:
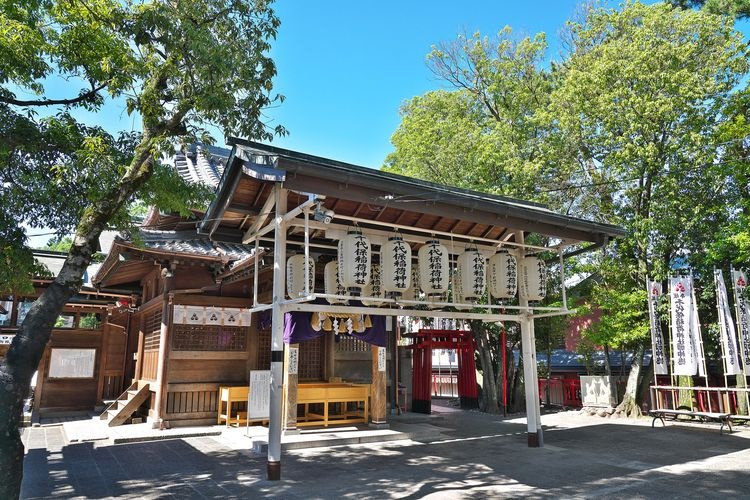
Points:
x=274, y=471
x=379, y=425
x=533, y=439
x=290, y=432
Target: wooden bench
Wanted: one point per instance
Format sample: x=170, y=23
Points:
x=704, y=416
x=742, y=418
x=327, y=394
x=227, y=396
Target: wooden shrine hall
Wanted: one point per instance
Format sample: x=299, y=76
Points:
x=342, y=248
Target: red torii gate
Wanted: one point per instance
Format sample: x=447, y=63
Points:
x=424, y=341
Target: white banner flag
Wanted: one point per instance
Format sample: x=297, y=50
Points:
x=684, y=353
x=658, y=357
x=743, y=316
x=726, y=327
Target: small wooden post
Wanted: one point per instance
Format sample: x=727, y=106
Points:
x=377, y=388
x=103, y=354
x=160, y=403
x=291, y=378
x=138, y=375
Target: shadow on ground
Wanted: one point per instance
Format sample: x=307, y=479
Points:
x=480, y=456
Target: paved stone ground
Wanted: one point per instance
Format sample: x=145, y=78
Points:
x=480, y=456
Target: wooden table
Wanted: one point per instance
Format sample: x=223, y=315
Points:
x=227, y=396
x=341, y=394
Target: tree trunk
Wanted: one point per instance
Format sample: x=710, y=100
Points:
x=22, y=359
x=518, y=403
x=28, y=345
x=629, y=405
x=489, y=385
x=742, y=397
x=646, y=379
x=607, y=364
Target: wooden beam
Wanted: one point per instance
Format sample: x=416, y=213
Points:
x=511, y=217
x=240, y=209
x=260, y=219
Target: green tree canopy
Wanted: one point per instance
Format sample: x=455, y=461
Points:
x=181, y=66
x=482, y=134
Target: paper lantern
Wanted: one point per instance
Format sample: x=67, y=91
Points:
x=433, y=269
x=395, y=258
x=412, y=293
x=534, y=278
x=472, y=271
x=374, y=288
x=331, y=283
x=457, y=289
x=354, y=262
x=295, y=276
x=503, y=275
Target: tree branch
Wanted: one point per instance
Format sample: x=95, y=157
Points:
x=55, y=102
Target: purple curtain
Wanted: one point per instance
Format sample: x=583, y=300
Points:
x=297, y=328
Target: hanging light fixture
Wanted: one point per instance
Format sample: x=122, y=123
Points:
x=395, y=257
x=331, y=283
x=354, y=262
x=433, y=269
x=295, y=276
x=535, y=278
x=472, y=272
x=412, y=293
x=457, y=289
x=374, y=288
x=503, y=275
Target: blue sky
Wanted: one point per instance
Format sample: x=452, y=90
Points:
x=346, y=67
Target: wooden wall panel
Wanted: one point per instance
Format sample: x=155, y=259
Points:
x=207, y=370
x=192, y=402
x=150, y=360
x=115, y=349
x=69, y=394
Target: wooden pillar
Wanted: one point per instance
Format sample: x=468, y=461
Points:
x=160, y=403
x=141, y=339
x=41, y=375
x=273, y=466
x=291, y=377
x=377, y=388
x=535, y=437
x=103, y=353
x=329, y=344
x=390, y=329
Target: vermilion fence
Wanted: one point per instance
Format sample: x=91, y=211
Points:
x=564, y=392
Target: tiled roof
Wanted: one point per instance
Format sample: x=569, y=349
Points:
x=189, y=242
x=203, y=164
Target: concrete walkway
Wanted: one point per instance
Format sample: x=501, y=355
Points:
x=458, y=455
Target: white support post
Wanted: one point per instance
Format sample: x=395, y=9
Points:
x=528, y=347
x=277, y=337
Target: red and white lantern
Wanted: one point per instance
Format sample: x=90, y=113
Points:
x=472, y=271
x=295, y=276
x=354, y=262
x=534, y=278
x=395, y=258
x=433, y=269
x=331, y=283
x=503, y=275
